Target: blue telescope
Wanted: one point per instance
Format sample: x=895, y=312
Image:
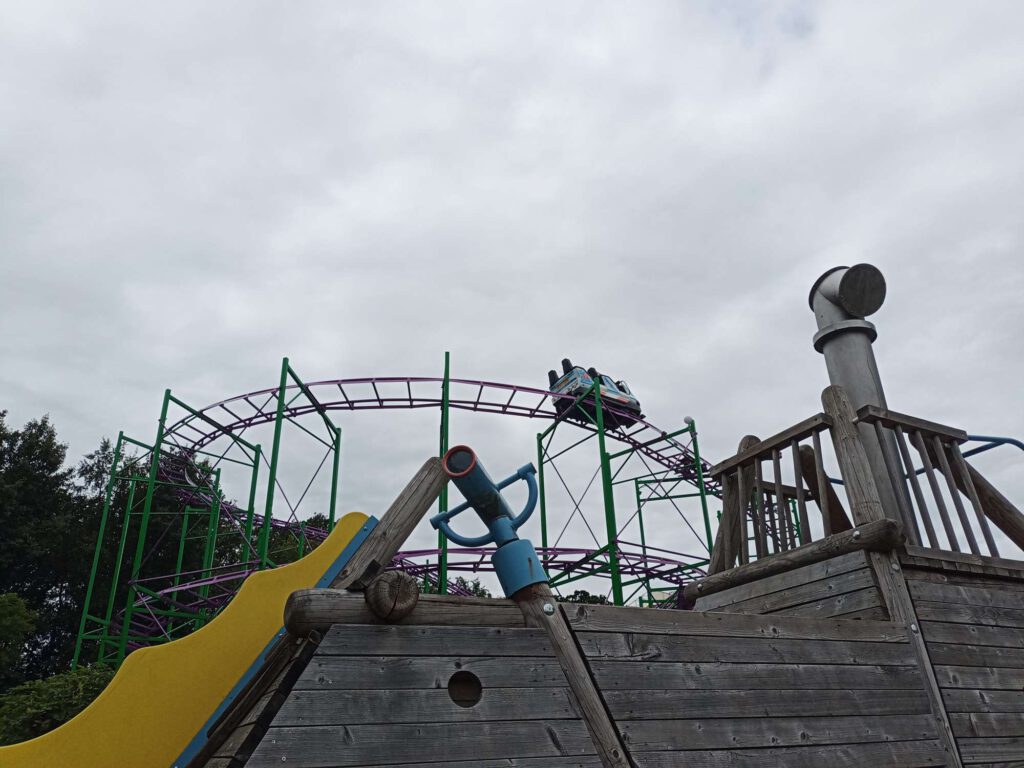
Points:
x=515, y=560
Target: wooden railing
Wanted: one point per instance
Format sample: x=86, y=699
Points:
x=936, y=444
x=770, y=484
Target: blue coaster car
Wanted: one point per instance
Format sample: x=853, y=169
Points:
x=575, y=381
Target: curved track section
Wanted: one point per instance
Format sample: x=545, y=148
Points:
x=236, y=415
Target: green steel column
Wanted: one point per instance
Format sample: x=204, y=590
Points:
x=181, y=551
x=643, y=534
x=334, y=479
x=140, y=545
x=442, y=499
x=210, y=547
x=268, y=512
x=99, y=545
x=609, y=501
x=251, y=512
x=115, y=580
x=700, y=485
x=543, y=501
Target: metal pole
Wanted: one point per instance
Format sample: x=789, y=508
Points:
x=543, y=501
x=251, y=513
x=609, y=500
x=154, y=469
x=99, y=544
x=442, y=499
x=122, y=545
x=334, y=479
x=181, y=553
x=268, y=512
x=700, y=486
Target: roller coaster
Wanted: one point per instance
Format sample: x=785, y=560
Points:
x=182, y=546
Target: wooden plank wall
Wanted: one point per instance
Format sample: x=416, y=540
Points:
x=715, y=690
x=377, y=695
x=843, y=586
x=973, y=626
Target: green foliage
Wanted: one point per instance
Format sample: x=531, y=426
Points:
x=582, y=596
x=31, y=709
x=17, y=623
x=474, y=587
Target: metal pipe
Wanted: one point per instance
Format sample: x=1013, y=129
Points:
x=841, y=299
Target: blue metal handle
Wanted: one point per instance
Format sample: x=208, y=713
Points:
x=483, y=495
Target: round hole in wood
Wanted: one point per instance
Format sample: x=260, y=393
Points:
x=465, y=689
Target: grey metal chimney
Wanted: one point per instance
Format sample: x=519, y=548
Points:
x=841, y=299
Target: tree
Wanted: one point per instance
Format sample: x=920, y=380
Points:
x=31, y=709
x=473, y=587
x=582, y=596
x=17, y=623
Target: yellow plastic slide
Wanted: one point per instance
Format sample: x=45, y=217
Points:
x=156, y=710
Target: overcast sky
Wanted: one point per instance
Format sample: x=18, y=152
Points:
x=189, y=192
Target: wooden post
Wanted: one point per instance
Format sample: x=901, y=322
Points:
x=730, y=537
x=833, y=514
x=394, y=527
x=853, y=460
x=864, y=502
x=540, y=610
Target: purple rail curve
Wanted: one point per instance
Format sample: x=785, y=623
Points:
x=209, y=590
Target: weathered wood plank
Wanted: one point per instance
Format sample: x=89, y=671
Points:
x=309, y=610
x=539, y=609
x=360, y=707
x=869, y=414
x=988, y=725
x=587, y=761
x=810, y=592
x=969, y=614
x=357, y=745
x=952, y=676
x=797, y=432
x=970, y=634
x=604, y=618
x=394, y=527
x=980, y=596
x=392, y=640
x=942, y=556
x=853, y=461
x=905, y=754
x=376, y=672
x=1004, y=748
x=901, y=608
x=877, y=535
x=953, y=578
x=806, y=574
x=667, y=648
x=841, y=605
x=746, y=733
x=967, y=700
x=976, y=655
x=682, y=704
x=640, y=676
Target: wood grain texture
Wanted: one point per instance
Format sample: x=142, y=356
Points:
x=634, y=646
x=394, y=527
x=358, y=745
x=392, y=595
x=397, y=672
x=603, y=618
x=853, y=461
x=746, y=733
x=880, y=535
x=316, y=610
x=357, y=707
x=683, y=704
x=391, y=640
x=540, y=609
x=831, y=567
x=900, y=754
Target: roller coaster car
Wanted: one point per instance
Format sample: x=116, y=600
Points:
x=575, y=381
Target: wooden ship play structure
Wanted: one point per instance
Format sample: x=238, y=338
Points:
x=862, y=605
